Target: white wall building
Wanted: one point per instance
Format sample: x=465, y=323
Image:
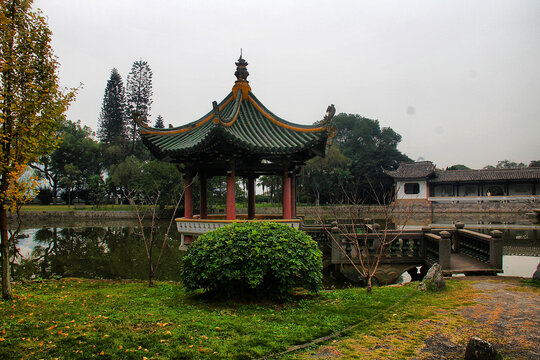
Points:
x=421, y=181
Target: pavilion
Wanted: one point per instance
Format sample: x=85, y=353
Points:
x=238, y=137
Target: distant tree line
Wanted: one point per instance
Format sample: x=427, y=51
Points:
x=352, y=170
x=95, y=171
x=502, y=164
x=105, y=169
x=112, y=164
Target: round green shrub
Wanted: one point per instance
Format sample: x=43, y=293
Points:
x=261, y=259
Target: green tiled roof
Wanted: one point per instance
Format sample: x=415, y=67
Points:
x=240, y=124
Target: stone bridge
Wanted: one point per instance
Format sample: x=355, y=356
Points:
x=456, y=249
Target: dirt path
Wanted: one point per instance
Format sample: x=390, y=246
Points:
x=505, y=315
x=502, y=311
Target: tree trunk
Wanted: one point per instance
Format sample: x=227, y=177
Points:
x=150, y=267
x=55, y=192
x=6, y=274
x=150, y=275
x=368, y=288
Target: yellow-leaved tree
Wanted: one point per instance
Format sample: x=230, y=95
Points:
x=32, y=105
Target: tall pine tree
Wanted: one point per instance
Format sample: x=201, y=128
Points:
x=159, y=123
x=139, y=97
x=112, y=120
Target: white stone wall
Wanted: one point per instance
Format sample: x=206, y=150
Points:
x=400, y=189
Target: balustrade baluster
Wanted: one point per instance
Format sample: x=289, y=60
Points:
x=394, y=247
x=416, y=247
x=348, y=247
x=370, y=246
x=406, y=247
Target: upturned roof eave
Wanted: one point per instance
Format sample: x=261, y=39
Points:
x=209, y=116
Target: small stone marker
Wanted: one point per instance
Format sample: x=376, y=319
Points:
x=434, y=279
x=478, y=349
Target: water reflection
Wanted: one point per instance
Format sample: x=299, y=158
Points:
x=90, y=250
x=115, y=252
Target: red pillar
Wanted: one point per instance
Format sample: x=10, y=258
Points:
x=188, y=196
x=286, y=195
x=204, y=196
x=188, y=203
x=251, y=197
x=231, y=196
x=293, y=195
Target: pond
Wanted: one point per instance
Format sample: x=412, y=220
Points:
x=91, y=250
x=96, y=252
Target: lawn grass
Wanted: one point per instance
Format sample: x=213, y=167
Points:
x=75, y=318
x=402, y=332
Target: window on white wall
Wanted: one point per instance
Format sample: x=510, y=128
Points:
x=411, y=188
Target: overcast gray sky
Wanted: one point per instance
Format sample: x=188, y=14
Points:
x=459, y=80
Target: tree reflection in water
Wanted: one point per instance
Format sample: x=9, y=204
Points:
x=95, y=253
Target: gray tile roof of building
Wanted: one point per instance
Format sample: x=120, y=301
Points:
x=426, y=170
x=485, y=175
x=419, y=169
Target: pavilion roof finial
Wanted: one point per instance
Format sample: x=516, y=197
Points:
x=241, y=72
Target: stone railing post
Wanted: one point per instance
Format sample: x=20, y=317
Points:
x=496, y=249
x=377, y=230
x=425, y=230
x=335, y=238
x=457, y=237
x=445, y=251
